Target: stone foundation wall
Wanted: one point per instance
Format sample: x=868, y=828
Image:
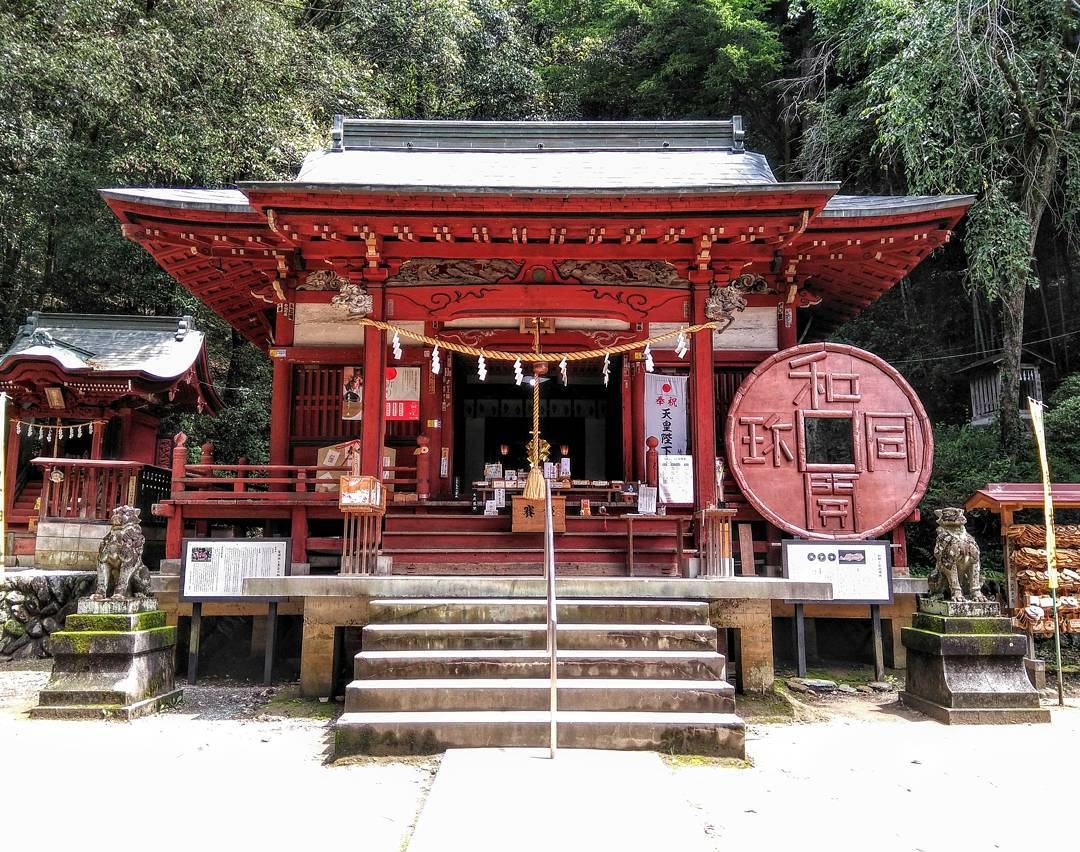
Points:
x=753, y=620
x=35, y=603
x=68, y=544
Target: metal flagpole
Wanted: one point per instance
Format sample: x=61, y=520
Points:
x=1036, y=409
x=3, y=483
x=552, y=619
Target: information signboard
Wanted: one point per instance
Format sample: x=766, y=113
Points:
x=675, y=478
x=214, y=569
x=860, y=571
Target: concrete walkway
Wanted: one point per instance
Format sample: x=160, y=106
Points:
x=493, y=800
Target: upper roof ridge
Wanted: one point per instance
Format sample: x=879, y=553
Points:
x=350, y=134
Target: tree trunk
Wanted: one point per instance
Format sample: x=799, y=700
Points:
x=1012, y=344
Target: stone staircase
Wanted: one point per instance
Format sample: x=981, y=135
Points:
x=462, y=673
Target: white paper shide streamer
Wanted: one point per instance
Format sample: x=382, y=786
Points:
x=436, y=364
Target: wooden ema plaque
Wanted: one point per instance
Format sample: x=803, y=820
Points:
x=829, y=442
x=528, y=515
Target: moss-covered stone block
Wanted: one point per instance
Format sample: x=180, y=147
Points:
x=116, y=622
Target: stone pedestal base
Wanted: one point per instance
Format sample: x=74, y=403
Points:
x=968, y=668
x=113, y=659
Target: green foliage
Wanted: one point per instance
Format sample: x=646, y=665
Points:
x=97, y=93
x=974, y=98
x=657, y=58
x=465, y=59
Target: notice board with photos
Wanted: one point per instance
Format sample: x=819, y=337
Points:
x=214, y=569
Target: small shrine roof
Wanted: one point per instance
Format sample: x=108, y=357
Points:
x=161, y=347
x=996, y=496
x=161, y=352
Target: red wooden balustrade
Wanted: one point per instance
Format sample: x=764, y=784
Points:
x=89, y=489
x=212, y=481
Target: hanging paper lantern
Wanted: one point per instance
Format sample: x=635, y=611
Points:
x=649, y=364
x=607, y=369
x=396, y=344
x=518, y=374
x=436, y=364
x=562, y=371
x=481, y=368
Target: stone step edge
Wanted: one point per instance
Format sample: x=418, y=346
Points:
x=568, y=683
x=567, y=717
x=527, y=627
x=536, y=654
x=532, y=601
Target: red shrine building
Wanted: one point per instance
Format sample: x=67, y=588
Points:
x=560, y=237
x=87, y=396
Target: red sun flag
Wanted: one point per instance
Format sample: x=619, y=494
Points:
x=667, y=388
x=391, y=373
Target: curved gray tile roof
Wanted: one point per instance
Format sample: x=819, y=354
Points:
x=160, y=347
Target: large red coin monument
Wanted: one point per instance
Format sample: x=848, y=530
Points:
x=829, y=442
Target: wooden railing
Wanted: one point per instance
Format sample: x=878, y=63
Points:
x=211, y=481
x=89, y=489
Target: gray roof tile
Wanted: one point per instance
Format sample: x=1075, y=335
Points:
x=160, y=347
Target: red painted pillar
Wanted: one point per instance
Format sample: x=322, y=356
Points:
x=627, y=398
x=373, y=422
x=423, y=467
x=11, y=461
x=703, y=400
x=899, y=551
x=281, y=394
x=125, y=433
x=97, y=443
x=787, y=330
x=637, y=395
x=174, y=531
x=652, y=461
x=430, y=397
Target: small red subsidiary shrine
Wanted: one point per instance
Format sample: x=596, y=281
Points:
x=87, y=396
x=603, y=233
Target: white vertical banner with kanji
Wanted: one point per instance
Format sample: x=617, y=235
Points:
x=665, y=412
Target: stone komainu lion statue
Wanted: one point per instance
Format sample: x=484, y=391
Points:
x=956, y=555
x=121, y=572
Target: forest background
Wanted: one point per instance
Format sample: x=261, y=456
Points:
x=887, y=96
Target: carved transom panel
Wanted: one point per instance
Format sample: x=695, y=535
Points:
x=455, y=271
x=827, y=441
x=643, y=272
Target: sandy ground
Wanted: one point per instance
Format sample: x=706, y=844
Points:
x=880, y=777
x=192, y=779
x=862, y=774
